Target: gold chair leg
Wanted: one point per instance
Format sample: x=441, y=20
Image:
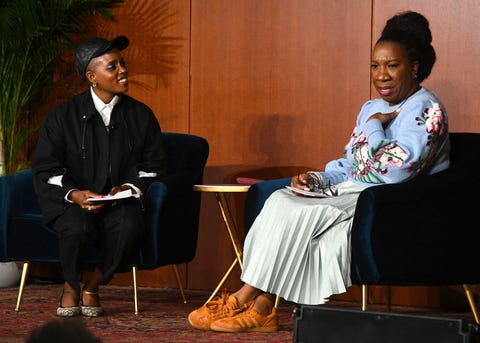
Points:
x=135, y=290
x=471, y=302
x=22, y=284
x=364, y=297
x=179, y=282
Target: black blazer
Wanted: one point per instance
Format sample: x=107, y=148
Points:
x=75, y=143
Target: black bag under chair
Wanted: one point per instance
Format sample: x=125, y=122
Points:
x=325, y=324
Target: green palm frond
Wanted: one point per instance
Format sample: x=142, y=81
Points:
x=158, y=55
x=34, y=33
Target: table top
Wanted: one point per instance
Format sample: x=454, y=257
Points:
x=219, y=188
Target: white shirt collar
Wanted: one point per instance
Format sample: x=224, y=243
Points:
x=105, y=110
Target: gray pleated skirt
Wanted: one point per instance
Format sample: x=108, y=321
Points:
x=299, y=247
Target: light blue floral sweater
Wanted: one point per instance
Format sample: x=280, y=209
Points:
x=415, y=142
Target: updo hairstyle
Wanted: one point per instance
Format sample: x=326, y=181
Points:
x=411, y=30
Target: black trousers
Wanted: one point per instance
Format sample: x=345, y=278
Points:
x=115, y=233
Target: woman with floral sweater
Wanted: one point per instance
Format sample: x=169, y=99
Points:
x=299, y=246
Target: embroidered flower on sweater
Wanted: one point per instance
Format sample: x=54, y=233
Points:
x=371, y=163
x=435, y=121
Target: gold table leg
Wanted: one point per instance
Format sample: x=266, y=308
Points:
x=230, y=224
x=233, y=235
x=220, y=284
x=471, y=302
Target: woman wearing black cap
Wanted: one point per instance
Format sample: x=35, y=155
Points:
x=96, y=143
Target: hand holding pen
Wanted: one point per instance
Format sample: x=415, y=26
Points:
x=301, y=181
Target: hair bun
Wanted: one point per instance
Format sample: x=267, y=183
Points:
x=412, y=23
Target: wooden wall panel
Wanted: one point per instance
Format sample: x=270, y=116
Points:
x=273, y=83
x=455, y=38
x=269, y=77
x=157, y=57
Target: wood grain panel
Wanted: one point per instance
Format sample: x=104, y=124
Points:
x=271, y=77
x=273, y=84
x=455, y=38
x=158, y=56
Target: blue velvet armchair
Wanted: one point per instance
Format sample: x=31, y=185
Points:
x=420, y=232
x=172, y=215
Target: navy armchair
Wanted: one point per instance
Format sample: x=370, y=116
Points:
x=420, y=232
x=172, y=215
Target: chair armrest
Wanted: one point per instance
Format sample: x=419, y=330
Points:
x=171, y=226
x=172, y=206
x=17, y=196
x=153, y=200
x=421, y=230
x=257, y=195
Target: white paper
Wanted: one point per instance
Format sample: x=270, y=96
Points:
x=307, y=193
x=120, y=195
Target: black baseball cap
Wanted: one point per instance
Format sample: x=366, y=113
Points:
x=94, y=47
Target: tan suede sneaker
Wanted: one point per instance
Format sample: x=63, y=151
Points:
x=218, y=308
x=248, y=321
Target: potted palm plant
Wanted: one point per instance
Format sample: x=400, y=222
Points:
x=34, y=34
